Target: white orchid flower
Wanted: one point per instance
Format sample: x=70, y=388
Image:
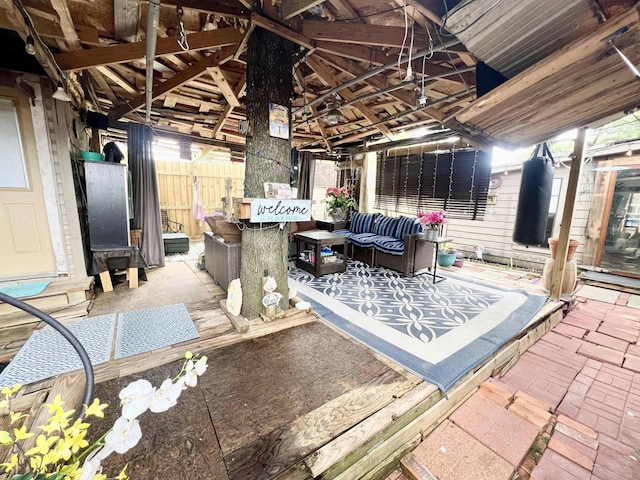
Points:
x=194, y=370
x=136, y=398
x=167, y=395
x=124, y=435
x=91, y=466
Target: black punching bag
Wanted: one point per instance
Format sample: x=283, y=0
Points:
x=534, y=199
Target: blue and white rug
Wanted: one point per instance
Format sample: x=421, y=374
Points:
x=439, y=332
x=48, y=354
x=152, y=328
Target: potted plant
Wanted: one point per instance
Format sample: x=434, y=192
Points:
x=431, y=223
x=446, y=255
x=339, y=202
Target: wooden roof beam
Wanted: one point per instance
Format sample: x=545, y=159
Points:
x=360, y=34
x=224, y=85
x=174, y=82
x=118, y=80
x=94, y=57
x=208, y=6
x=48, y=29
x=326, y=74
x=274, y=27
x=235, y=93
x=66, y=24
x=291, y=8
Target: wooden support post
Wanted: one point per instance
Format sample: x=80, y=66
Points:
x=105, y=278
x=557, y=272
x=132, y=276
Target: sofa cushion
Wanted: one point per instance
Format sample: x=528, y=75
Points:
x=406, y=226
x=363, y=239
x=389, y=245
x=343, y=232
x=363, y=222
x=386, y=226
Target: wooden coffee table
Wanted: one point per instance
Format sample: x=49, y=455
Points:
x=309, y=253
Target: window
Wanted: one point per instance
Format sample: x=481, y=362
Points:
x=455, y=181
x=13, y=170
x=556, y=187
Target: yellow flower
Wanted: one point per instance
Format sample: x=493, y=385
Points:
x=15, y=416
x=188, y=355
x=21, y=433
x=58, y=421
x=55, y=407
x=43, y=445
x=11, y=464
x=100, y=476
x=96, y=409
x=8, y=392
x=122, y=475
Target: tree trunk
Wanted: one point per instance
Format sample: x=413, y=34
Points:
x=265, y=246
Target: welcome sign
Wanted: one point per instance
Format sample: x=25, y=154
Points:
x=280, y=210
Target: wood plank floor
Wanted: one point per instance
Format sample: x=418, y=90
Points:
x=291, y=399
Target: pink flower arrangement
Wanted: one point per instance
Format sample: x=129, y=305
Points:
x=339, y=198
x=432, y=220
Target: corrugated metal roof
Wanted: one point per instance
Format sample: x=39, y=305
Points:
x=515, y=34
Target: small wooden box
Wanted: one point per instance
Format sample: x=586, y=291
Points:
x=242, y=208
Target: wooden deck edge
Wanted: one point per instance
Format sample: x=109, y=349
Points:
x=373, y=444
x=138, y=363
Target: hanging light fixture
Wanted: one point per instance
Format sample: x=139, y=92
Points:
x=30, y=45
x=60, y=94
x=333, y=115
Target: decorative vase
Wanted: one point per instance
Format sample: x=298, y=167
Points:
x=430, y=234
x=446, y=259
x=573, y=245
x=338, y=215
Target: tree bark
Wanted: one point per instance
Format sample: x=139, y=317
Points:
x=265, y=246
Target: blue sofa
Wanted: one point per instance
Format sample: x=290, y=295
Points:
x=389, y=242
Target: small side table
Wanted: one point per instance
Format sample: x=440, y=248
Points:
x=330, y=225
x=316, y=240
x=129, y=256
x=436, y=278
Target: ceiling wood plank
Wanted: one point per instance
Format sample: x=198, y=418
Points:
x=274, y=27
x=47, y=29
x=126, y=20
x=104, y=86
x=326, y=75
x=223, y=84
x=291, y=8
x=361, y=34
x=174, y=82
x=344, y=9
x=355, y=52
x=226, y=113
x=118, y=80
x=208, y=6
x=66, y=24
x=425, y=11
x=122, y=53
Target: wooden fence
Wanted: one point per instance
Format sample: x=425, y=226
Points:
x=175, y=186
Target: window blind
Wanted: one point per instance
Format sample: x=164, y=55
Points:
x=457, y=182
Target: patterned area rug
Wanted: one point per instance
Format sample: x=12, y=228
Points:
x=145, y=330
x=47, y=354
x=439, y=332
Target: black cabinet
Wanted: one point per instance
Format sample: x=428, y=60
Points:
x=107, y=204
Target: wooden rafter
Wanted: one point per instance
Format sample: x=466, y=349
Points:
x=94, y=57
x=104, y=86
x=49, y=29
x=126, y=19
x=224, y=85
x=208, y=6
x=274, y=27
x=174, y=82
x=360, y=34
x=236, y=92
x=291, y=8
x=66, y=24
x=327, y=76
x=117, y=79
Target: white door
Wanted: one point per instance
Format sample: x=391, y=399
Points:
x=25, y=239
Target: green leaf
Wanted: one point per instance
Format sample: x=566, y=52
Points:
x=5, y=438
x=23, y=476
